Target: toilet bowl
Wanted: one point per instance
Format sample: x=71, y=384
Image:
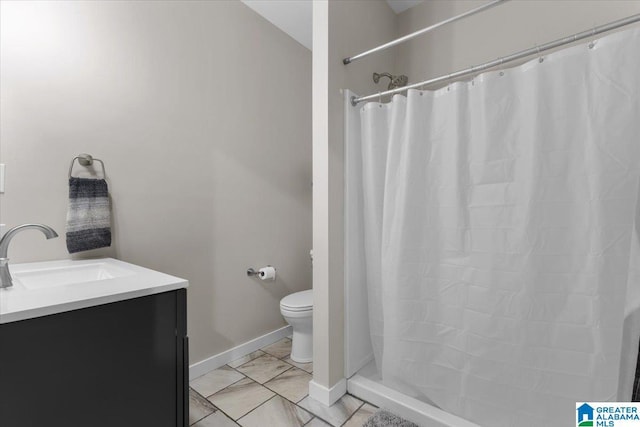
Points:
x=297, y=310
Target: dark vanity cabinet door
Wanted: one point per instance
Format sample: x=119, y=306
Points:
x=120, y=364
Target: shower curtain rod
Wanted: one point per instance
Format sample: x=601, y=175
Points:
x=519, y=55
x=403, y=39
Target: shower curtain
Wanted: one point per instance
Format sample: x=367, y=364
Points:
x=497, y=220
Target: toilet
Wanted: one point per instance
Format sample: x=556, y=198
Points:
x=297, y=310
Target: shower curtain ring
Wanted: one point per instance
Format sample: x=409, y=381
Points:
x=540, y=58
x=593, y=34
x=380, y=98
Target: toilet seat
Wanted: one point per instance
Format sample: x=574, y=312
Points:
x=297, y=302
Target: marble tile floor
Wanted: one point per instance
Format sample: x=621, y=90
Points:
x=267, y=389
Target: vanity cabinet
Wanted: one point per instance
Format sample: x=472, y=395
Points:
x=120, y=364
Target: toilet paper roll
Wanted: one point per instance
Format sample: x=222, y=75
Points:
x=267, y=273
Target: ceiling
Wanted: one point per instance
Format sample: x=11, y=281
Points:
x=294, y=17
x=400, y=6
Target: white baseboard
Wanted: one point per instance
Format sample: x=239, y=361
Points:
x=221, y=359
x=327, y=396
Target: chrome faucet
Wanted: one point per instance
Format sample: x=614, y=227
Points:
x=5, y=275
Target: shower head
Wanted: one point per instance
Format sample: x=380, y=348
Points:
x=398, y=81
x=394, y=81
x=376, y=76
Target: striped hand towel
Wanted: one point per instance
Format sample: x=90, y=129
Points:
x=89, y=215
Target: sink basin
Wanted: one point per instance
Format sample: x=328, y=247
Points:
x=66, y=275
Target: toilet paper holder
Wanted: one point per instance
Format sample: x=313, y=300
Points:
x=255, y=273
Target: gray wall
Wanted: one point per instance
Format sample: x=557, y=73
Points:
x=497, y=32
x=201, y=112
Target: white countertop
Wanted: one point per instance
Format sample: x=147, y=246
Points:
x=33, y=295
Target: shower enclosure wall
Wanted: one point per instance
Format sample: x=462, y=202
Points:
x=546, y=122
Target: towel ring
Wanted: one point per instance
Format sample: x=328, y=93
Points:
x=86, y=160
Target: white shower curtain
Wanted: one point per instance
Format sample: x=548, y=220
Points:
x=497, y=221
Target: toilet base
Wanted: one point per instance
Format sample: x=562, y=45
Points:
x=302, y=347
